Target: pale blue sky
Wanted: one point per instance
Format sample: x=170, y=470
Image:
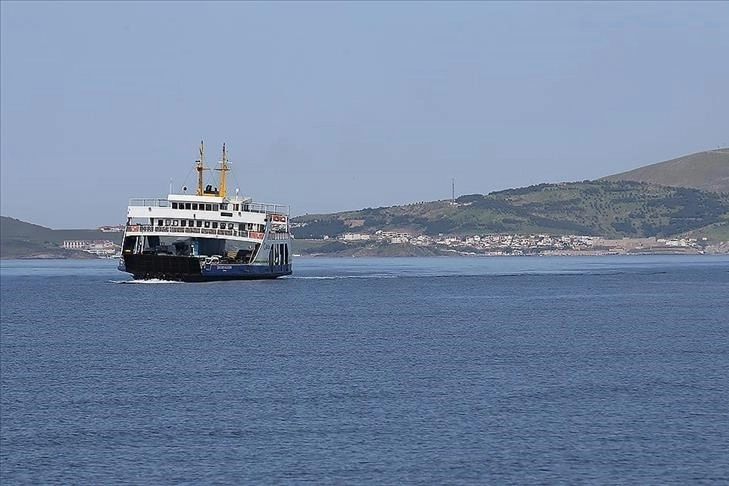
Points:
x=332, y=106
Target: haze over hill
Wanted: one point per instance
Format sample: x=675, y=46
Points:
x=613, y=206
x=708, y=171
x=598, y=208
x=19, y=239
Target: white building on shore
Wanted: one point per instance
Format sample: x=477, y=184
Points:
x=102, y=248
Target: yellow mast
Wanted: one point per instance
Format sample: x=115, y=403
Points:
x=200, y=167
x=223, y=169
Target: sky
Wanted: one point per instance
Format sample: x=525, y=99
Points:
x=332, y=106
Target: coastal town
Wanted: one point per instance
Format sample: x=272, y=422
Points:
x=101, y=248
x=537, y=244
x=485, y=245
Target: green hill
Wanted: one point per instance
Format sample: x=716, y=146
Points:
x=599, y=208
x=19, y=239
x=708, y=171
x=684, y=196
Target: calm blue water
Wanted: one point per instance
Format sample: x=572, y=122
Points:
x=610, y=370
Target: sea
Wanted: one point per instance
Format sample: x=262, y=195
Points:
x=434, y=371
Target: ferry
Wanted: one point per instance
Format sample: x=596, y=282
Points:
x=206, y=236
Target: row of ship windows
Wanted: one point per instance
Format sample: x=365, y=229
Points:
x=210, y=224
x=208, y=206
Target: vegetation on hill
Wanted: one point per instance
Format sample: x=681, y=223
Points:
x=364, y=249
x=688, y=196
x=716, y=232
x=19, y=239
x=708, y=171
x=598, y=208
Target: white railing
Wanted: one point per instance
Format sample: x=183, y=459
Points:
x=148, y=228
x=154, y=202
x=252, y=207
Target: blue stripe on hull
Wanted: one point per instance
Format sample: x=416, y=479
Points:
x=232, y=271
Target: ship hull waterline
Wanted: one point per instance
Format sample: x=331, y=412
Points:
x=189, y=269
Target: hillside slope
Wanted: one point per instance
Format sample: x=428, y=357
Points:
x=599, y=208
x=692, y=197
x=19, y=239
x=708, y=171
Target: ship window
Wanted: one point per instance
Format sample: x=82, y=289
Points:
x=194, y=206
x=208, y=207
x=215, y=224
x=190, y=223
x=224, y=206
x=187, y=205
x=199, y=224
x=215, y=207
x=207, y=224
x=174, y=205
x=175, y=222
x=230, y=225
x=160, y=222
x=183, y=222
x=167, y=222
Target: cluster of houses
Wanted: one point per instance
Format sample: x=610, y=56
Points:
x=100, y=248
x=504, y=244
x=490, y=244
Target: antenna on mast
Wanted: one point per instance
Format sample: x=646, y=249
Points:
x=453, y=190
x=200, y=167
x=223, y=169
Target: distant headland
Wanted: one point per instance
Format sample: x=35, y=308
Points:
x=676, y=206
